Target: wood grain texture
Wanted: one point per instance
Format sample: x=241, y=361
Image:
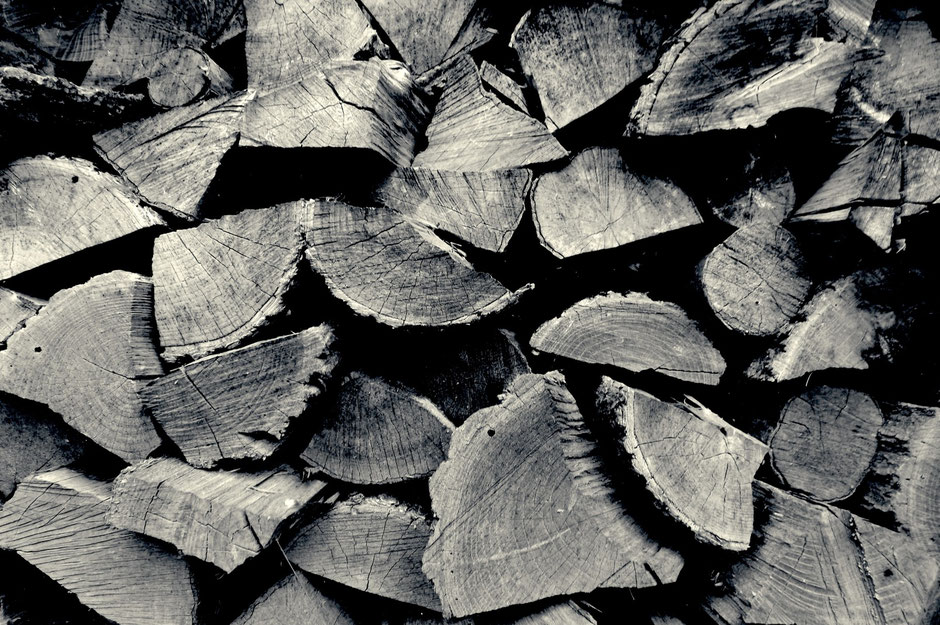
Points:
x=522, y=503
x=379, y=432
x=632, y=332
x=53, y=207
x=372, y=543
x=15, y=310
x=222, y=517
x=481, y=208
x=473, y=130
x=238, y=405
x=86, y=355
x=578, y=56
x=498, y=82
x=697, y=466
x=75, y=32
x=217, y=284
x=183, y=75
x=552, y=613
x=56, y=522
x=292, y=600
x=596, y=202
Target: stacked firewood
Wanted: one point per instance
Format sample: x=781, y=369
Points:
x=411, y=312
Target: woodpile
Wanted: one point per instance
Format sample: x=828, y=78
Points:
x=560, y=312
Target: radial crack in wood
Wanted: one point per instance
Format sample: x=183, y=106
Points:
x=15, y=310
x=73, y=32
x=294, y=600
x=184, y=75
x=498, y=82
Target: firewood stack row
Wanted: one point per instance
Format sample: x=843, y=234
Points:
x=409, y=312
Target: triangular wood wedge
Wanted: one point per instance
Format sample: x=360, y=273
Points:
x=522, y=504
x=15, y=309
x=697, y=466
x=294, y=600
x=757, y=190
x=597, y=203
x=496, y=81
x=222, y=517
x=632, y=332
x=238, y=405
x=86, y=355
x=546, y=613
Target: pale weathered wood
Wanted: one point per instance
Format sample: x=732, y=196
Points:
x=238, y=405
x=56, y=522
x=473, y=130
x=15, y=310
x=222, y=517
x=557, y=613
x=73, y=32
x=522, y=506
x=183, y=75
x=597, y=202
x=477, y=31
x=379, y=432
x=400, y=273
x=294, y=600
x=215, y=285
x=825, y=440
x=632, y=332
x=755, y=281
x=53, y=207
x=482, y=208
x=498, y=82
x=86, y=355
x=171, y=158
x=370, y=543
x=578, y=56
x=697, y=466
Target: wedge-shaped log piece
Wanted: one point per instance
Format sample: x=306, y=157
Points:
x=222, y=517
x=756, y=280
x=294, y=600
x=56, y=522
x=53, y=207
x=635, y=333
x=759, y=190
x=498, y=82
x=578, y=56
x=559, y=613
x=15, y=310
x=482, y=208
x=86, y=355
x=372, y=544
x=523, y=504
x=75, y=32
x=171, y=158
x=183, y=75
x=697, y=466
x=238, y=405
x=215, y=285
x=399, y=273
x=473, y=130
x=597, y=203
x=360, y=104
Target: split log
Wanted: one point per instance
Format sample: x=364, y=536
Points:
x=579, y=56
x=56, y=521
x=635, y=333
x=294, y=600
x=222, y=517
x=483, y=24
x=482, y=208
x=184, y=75
x=498, y=82
x=238, y=405
x=523, y=503
x=824, y=442
x=399, y=273
x=73, y=32
x=698, y=467
x=15, y=310
x=473, y=130
x=379, y=432
x=756, y=280
x=761, y=191
x=86, y=355
x=217, y=284
x=559, y=613
x=597, y=203
x=372, y=544
x=53, y=207
x=171, y=158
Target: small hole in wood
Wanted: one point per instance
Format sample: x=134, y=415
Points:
x=74, y=179
x=37, y=349
x=889, y=573
x=491, y=432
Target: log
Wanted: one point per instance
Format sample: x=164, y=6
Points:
x=759, y=191
x=56, y=522
x=483, y=24
x=481, y=208
x=579, y=56
x=75, y=33
x=473, y=130
x=498, y=82
x=632, y=332
x=824, y=442
x=221, y=517
x=183, y=75
x=172, y=158
x=557, y=613
x=379, y=432
x=697, y=466
x=522, y=503
x=597, y=202
x=86, y=355
x=294, y=600
x=383, y=266
x=238, y=405
x=217, y=284
x=15, y=310
x=359, y=534
x=756, y=281
x=53, y=207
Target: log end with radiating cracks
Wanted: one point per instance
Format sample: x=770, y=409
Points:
x=183, y=75
x=294, y=599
